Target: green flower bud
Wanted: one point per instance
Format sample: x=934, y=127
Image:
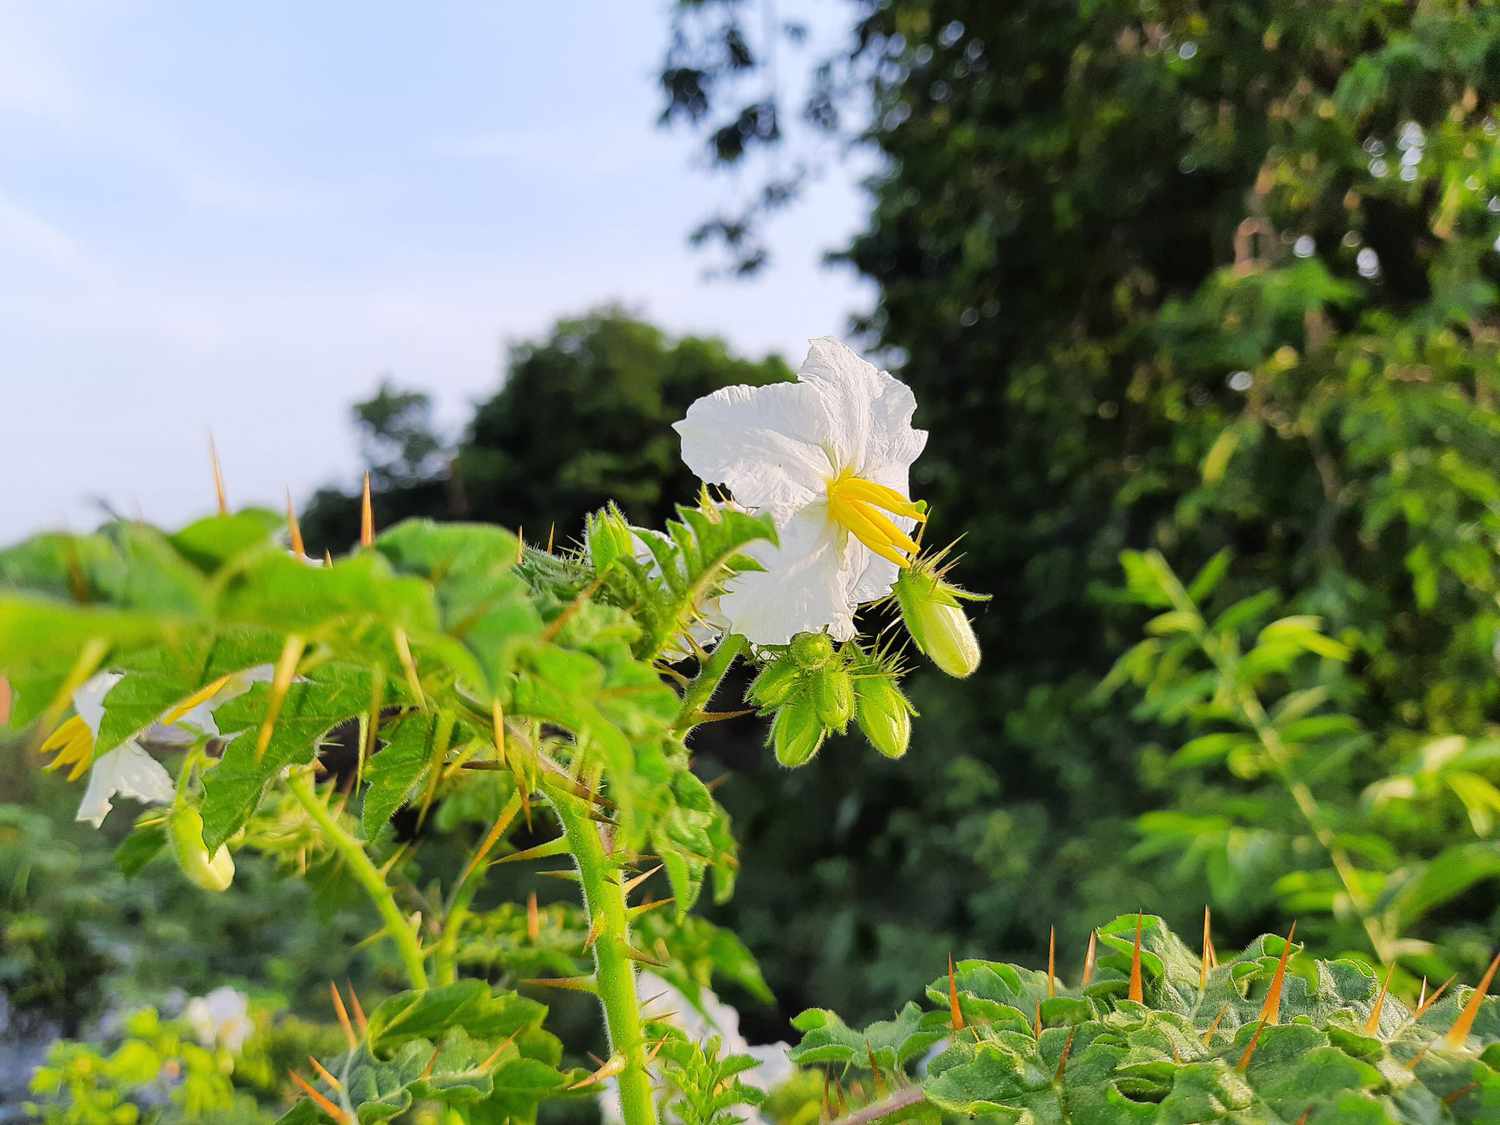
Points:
x=930, y=608
x=775, y=683
x=883, y=714
x=812, y=650
x=833, y=696
x=185, y=830
x=796, y=732
x=608, y=537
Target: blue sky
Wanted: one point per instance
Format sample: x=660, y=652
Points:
x=234, y=218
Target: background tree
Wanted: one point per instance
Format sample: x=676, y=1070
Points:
x=581, y=415
x=1176, y=275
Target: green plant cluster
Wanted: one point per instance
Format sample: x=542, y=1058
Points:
x=1157, y=1033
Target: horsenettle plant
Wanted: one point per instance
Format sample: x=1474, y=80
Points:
x=1153, y=1032
x=302, y=703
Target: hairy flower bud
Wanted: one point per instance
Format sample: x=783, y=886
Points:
x=883, y=714
x=796, y=732
x=609, y=538
x=930, y=609
x=833, y=696
x=812, y=650
x=775, y=683
x=185, y=830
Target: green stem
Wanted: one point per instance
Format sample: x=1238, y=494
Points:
x=456, y=913
x=614, y=971
x=710, y=675
x=352, y=852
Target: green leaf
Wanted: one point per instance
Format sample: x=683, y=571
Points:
x=324, y=698
x=396, y=770
x=467, y=1004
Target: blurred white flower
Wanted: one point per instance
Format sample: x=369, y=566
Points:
x=128, y=770
x=828, y=458
x=710, y=1016
x=220, y=1019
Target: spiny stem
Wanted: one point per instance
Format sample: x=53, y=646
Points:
x=706, y=682
x=887, y=1107
x=604, y=902
x=352, y=852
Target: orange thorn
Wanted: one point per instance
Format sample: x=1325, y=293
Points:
x=294, y=529
x=1051, y=962
x=1306, y=1113
x=608, y=1070
x=533, y=918
x=1456, y=1096
x=366, y=516
x=1136, y=993
x=520, y=544
x=954, y=1011
x=639, y=879
x=1416, y=1060
x=1244, y=1063
x=1270, y=1011
x=551, y=536
x=1460, y=1029
x=494, y=1055
x=431, y=1064
x=569, y=984
x=1062, y=1059
x=359, y=1010
x=1372, y=1025
x=323, y=1103
x=595, y=929
x=1214, y=1026
x=875, y=1068
x=497, y=722
x=1036, y=1026
x=343, y=1015
x=219, y=494
x=324, y=1073
x=281, y=683
x=1090, y=956
x=1433, y=999
x=1208, y=942
x=1422, y=996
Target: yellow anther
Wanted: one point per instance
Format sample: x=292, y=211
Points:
x=206, y=692
x=74, y=745
x=859, y=506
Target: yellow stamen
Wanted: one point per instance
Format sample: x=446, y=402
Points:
x=74, y=744
x=207, y=691
x=859, y=506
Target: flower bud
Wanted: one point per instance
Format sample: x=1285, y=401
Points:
x=796, y=732
x=774, y=684
x=609, y=538
x=883, y=714
x=930, y=608
x=185, y=830
x=812, y=650
x=833, y=696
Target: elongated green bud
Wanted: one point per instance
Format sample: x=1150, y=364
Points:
x=833, y=696
x=775, y=683
x=883, y=714
x=812, y=650
x=930, y=608
x=608, y=537
x=185, y=830
x=796, y=732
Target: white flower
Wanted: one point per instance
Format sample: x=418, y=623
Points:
x=828, y=458
x=220, y=1019
x=128, y=770
x=700, y=1020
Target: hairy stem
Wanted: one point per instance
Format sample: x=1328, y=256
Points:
x=614, y=971
x=886, y=1107
x=359, y=864
x=706, y=682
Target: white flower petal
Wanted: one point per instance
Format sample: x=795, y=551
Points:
x=88, y=700
x=805, y=584
x=200, y=718
x=126, y=771
x=771, y=445
x=873, y=411
x=222, y=1018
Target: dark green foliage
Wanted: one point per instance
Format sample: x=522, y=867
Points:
x=582, y=417
x=1087, y=235
x=1203, y=1043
